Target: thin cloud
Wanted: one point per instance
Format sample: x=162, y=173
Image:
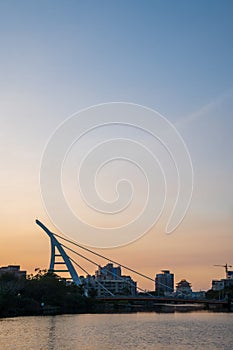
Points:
x=204, y=110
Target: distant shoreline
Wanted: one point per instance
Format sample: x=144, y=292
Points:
x=162, y=309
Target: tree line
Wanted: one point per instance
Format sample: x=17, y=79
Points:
x=43, y=293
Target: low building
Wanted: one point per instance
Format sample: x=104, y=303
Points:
x=184, y=288
x=217, y=285
x=200, y=295
x=164, y=282
x=14, y=270
x=228, y=282
x=88, y=282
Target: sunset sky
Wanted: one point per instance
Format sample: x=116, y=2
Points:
x=58, y=57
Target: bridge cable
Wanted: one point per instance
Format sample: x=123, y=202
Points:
x=102, y=286
x=97, y=264
x=103, y=257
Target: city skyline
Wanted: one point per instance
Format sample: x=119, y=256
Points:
x=173, y=58
x=166, y=279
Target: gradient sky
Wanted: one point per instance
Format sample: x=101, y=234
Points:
x=173, y=56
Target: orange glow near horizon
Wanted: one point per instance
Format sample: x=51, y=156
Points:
x=61, y=61
x=184, y=252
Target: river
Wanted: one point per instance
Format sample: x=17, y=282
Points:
x=165, y=331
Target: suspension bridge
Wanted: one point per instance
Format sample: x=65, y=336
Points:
x=61, y=262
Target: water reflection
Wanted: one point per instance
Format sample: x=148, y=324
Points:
x=149, y=331
x=52, y=333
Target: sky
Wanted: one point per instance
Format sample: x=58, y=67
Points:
x=58, y=57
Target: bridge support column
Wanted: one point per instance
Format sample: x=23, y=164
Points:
x=66, y=260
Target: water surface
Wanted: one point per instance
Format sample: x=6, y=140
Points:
x=196, y=330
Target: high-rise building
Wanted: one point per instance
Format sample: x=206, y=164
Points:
x=109, y=279
x=108, y=272
x=164, y=282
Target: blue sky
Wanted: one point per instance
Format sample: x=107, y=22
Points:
x=173, y=56
x=158, y=52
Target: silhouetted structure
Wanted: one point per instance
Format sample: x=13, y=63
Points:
x=164, y=282
x=183, y=288
x=109, y=279
x=14, y=270
x=59, y=254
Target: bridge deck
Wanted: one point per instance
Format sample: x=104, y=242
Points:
x=163, y=299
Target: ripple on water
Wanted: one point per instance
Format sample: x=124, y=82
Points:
x=149, y=331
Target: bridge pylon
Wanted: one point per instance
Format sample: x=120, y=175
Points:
x=57, y=251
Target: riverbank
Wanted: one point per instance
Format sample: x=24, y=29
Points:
x=48, y=294
x=107, y=308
